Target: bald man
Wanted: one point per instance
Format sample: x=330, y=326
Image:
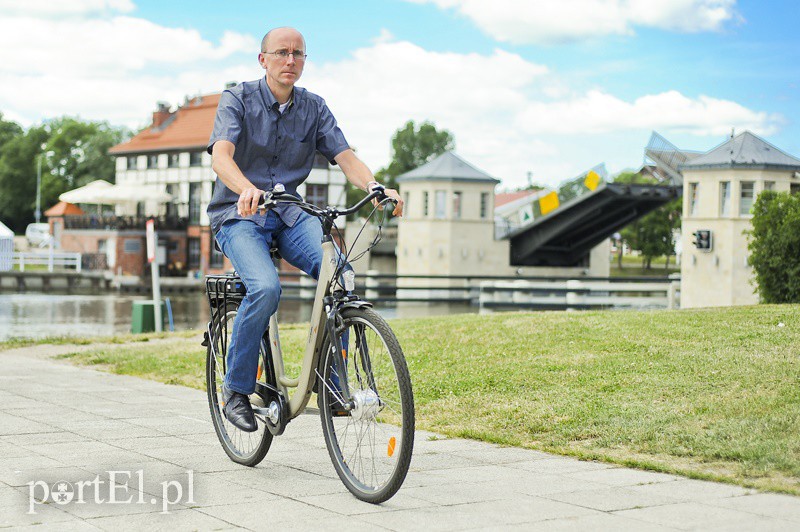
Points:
x=266, y=132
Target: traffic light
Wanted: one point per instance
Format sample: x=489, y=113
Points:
x=703, y=239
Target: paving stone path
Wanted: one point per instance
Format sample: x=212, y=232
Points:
x=63, y=425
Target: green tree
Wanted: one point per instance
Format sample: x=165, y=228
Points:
x=411, y=147
x=651, y=234
x=18, y=177
x=78, y=154
x=775, y=246
x=73, y=153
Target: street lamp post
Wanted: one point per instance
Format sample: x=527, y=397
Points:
x=38, y=213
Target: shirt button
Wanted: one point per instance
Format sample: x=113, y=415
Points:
x=279, y=137
x=276, y=157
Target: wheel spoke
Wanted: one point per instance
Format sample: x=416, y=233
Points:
x=371, y=456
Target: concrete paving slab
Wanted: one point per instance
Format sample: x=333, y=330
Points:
x=689, y=516
x=610, y=499
x=686, y=490
x=186, y=519
x=620, y=476
x=765, y=504
x=89, y=423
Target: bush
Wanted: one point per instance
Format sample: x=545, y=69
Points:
x=775, y=246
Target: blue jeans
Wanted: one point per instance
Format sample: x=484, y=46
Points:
x=247, y=245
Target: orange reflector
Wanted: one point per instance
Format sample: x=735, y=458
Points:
x=260, y=371
x=390, y=449
x=344, y=354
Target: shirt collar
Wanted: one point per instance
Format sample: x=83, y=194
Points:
x=272, y=102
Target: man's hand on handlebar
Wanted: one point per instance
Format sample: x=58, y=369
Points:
x=390, y=193
x=248, y=201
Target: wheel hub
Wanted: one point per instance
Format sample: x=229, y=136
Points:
x=366, y=405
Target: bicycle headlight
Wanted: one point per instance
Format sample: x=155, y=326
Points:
x=349, y=280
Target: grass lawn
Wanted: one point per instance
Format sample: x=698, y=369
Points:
x=706, y=393
x=632, y=267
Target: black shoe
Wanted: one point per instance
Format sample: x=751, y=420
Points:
x=238, y=411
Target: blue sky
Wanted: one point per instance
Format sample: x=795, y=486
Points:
x=551, y=88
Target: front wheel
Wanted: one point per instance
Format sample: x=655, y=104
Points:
x=370, y=445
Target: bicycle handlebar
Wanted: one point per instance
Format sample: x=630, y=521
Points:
x=278, y=194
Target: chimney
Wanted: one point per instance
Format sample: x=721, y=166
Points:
x=161, y=114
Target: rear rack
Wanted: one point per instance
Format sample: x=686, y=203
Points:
x=223, y=286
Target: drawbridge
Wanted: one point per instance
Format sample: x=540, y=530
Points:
x=560, y=227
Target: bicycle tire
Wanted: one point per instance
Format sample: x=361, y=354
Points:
x=246, y=448
x=373, y=463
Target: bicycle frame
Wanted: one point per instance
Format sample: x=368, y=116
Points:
x=305, y=381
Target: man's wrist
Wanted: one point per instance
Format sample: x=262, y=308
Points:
x=371, y=184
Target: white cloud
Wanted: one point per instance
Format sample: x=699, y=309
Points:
x=509, y=115
x=51, y=8
x=97, y=47
x=535, y=22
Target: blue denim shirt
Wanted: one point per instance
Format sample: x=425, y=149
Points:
x=271, y=147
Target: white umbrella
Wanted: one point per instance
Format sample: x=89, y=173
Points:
x=134, y=193
x=86, y=194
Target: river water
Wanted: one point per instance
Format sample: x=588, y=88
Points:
x=36, y=315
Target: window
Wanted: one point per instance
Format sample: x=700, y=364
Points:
x=131, y=162
x=194, y=253
x=194, y=203
x=747, y=192
x=317, y=194
x=794, y=188
x=769, y=185
x=457, y=204
x=693, y=188
x=425, y=204
x=173, y=246
x=140, y=208
x=725, y=198
x=102, y=245
x=484, y=204
x=217, y=258
x=132, y=245
x=405, y=200
x=172, y=207
x=152, y=161
x=195, y=158
x=441, y=204
x=173, y=160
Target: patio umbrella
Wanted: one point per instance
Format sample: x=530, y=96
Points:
x=86, y=194
x=134, y=193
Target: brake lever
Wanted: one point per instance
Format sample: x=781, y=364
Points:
x=268, y=198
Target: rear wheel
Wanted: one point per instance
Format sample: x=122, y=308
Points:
x=246, y=448
x=370, y=445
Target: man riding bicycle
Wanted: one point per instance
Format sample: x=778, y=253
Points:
x=267, y=132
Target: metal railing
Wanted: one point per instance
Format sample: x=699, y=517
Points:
x=104, y=222
x=51, y=260
x=505, y=292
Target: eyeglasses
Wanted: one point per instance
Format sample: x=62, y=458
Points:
x=298, y=55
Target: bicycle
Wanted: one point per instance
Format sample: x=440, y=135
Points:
x=352, y=360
